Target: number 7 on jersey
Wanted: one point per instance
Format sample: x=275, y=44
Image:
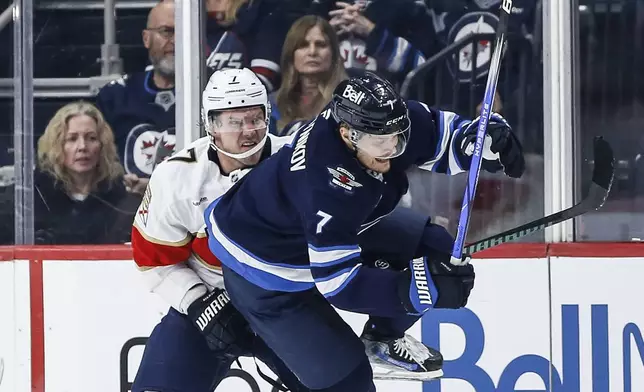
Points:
x=325, y=218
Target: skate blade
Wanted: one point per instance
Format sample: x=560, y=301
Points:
x=407, y=376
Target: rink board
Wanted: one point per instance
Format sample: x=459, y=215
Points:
x=558, y=318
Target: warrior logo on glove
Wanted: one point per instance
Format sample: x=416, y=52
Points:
x=420, y=278
x=211, y=310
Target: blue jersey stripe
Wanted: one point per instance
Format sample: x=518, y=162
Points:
x=269, y=276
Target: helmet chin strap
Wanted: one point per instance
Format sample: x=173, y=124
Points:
x=242, y=155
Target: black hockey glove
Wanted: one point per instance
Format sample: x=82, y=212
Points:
x=224, y=328
x=435, y=283
x=499, y=140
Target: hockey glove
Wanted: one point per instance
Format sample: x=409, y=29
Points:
x=501, y=149
x=435, y=283
x=224, y=328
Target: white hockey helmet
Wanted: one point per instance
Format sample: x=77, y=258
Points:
x=233, y=89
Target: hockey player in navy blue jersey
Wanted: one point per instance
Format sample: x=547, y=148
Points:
x=287, y=259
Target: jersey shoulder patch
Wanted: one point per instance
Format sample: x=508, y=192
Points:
x=343, y=179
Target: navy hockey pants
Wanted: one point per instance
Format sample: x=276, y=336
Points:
x=304, y=330
x=177, y=359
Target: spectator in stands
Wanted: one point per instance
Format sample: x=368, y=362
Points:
x=454, y=20
x=79, y=196
x=389, y=37
x=243, y=33
x=140, y=107
x=312, y=68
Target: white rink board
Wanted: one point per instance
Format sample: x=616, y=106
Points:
x=7, y=326
x=499, y=344
x=506, y=319
x=598, y=302
x=91, y=309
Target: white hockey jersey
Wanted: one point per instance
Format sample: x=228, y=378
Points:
x=168, y=238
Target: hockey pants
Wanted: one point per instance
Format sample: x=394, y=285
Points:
x=304, y=330
x=177, y=359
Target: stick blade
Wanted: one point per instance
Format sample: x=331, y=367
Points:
x=604, y=168
x=603, y=173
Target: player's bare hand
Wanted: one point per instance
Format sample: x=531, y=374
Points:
x=135, y=184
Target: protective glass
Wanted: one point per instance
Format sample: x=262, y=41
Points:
x=381, y=146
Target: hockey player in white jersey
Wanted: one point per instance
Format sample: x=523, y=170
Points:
x=194, y=345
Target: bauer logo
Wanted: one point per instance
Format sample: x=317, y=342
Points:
x=587, y=357
x=352, y=95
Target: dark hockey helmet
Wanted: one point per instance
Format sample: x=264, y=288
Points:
x=373, y=110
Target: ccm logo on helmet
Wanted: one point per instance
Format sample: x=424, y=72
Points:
x=395, y=120
x=353, y=95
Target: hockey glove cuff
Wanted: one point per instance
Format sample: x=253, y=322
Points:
x=501, y=149
x=432, y=283
x=224, y=328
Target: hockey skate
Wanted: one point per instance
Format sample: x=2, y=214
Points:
x=403, y=359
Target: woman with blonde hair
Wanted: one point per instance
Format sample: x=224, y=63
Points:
x=79, y=193
x=311, y=67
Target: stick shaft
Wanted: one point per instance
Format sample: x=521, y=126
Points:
x=486, y=109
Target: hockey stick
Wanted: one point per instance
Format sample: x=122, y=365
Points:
x=603, y=172
x=486, y=108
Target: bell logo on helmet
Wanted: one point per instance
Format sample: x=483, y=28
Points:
x=352, y=95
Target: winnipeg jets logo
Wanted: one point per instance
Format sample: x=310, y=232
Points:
x=467, y=58
x=352, y=95
x=157, y=149
x=342, y=178
x=146, y=147
x=165, y=99
x=375, y=174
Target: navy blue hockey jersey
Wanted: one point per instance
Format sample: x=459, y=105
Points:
x=254, y=41
x=142, y=118
x=293, y=222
